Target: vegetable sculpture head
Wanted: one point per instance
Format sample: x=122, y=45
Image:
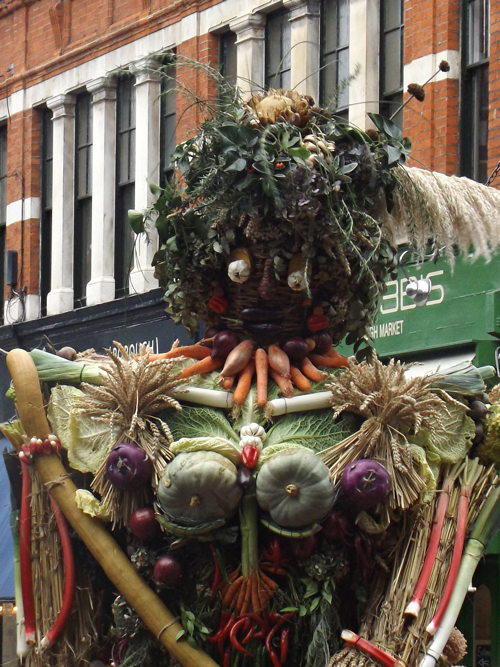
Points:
x=197, y=487
x=295, y=488
x=365, y=482
x=128, y=467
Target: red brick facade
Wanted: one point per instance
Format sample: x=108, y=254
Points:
x=45, y=38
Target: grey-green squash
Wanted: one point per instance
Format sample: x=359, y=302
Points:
x=197, y=487
x=295, y=487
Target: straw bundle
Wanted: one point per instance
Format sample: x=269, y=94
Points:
x=80, y=635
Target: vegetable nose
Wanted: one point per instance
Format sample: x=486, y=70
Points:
x=266, y=284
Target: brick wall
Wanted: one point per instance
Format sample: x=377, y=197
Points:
x=494, y=90
x=430, y=28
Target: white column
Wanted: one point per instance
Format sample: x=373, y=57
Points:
x=60, y=297
x=101, y=287
x=250, y=51
x=364, y=53
x=305, y=38
x=147, y=167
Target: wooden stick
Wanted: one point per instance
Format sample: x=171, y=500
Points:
x=98, y=540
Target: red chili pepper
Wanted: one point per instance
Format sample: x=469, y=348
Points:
x=227, y=658
x=275, y=661
x=241, y=623
x=284, y=638
x=218, y=304
x=250, y=455
x=316, y=322
x=217, y=573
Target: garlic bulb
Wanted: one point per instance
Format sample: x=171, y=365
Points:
x=239, y=271
x=297, y=281
x=253, y=429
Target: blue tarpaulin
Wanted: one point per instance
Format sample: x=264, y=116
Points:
x=6, y=557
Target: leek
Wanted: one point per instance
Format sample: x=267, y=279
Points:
x=52, y=368
x=487, y=523
x=463, y=378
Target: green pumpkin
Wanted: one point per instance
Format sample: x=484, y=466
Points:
x=198, y=487
x=295, y=487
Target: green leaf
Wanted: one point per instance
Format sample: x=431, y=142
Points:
x=237, y=165
x=347, y=168
x=302, y=610
x=171, y=243
x=314, y=604
x=316, y=431
x=199, y=422
x=155, y=189
x=450, y=441
x=136, y=221
x=393, y=154
x=180, y=634
x=301, y=152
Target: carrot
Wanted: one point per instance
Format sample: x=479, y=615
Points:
x=227, y=382
x=278, y=360
x=201, y=367
x=191, y=351
x=299, y=379
x=332, y=352
x=244, y=383
x=238, y=358
x=261, y=370
x=329, y=361
x=285, y=385
x=310, y=371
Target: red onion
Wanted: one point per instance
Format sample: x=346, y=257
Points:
x=296, y=348
x=323, y=342
x=143, y=524
x=128, y=466
x=167, y=571
x=365, y=482
x=223, y=342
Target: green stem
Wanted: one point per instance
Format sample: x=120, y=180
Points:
x=484, y=527
x=249, y=533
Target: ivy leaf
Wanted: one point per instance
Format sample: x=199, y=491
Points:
x=136, y=221
x=393, y=154
x=237, y=165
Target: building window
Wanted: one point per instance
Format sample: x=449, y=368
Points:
x=391, y=59
x=83, y=197
x=278, y=46
x=474, y=102
x=168, y=120
x=334, y=55
x=3, y=210
x=46, y=208
x=125, y=185
x=227, y=56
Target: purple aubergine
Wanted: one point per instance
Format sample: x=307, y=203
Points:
x=365, y=483
x=127, y=466
x=223, y=342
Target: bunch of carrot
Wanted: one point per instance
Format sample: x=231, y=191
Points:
x=244, y=362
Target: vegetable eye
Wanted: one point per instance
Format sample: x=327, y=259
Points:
x=297, y=274
x=239, y=266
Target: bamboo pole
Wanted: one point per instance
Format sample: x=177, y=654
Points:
x=96, y=537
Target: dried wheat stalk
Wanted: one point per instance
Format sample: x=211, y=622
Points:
x=450, y=211
x=133, y=392
x=393, y=406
